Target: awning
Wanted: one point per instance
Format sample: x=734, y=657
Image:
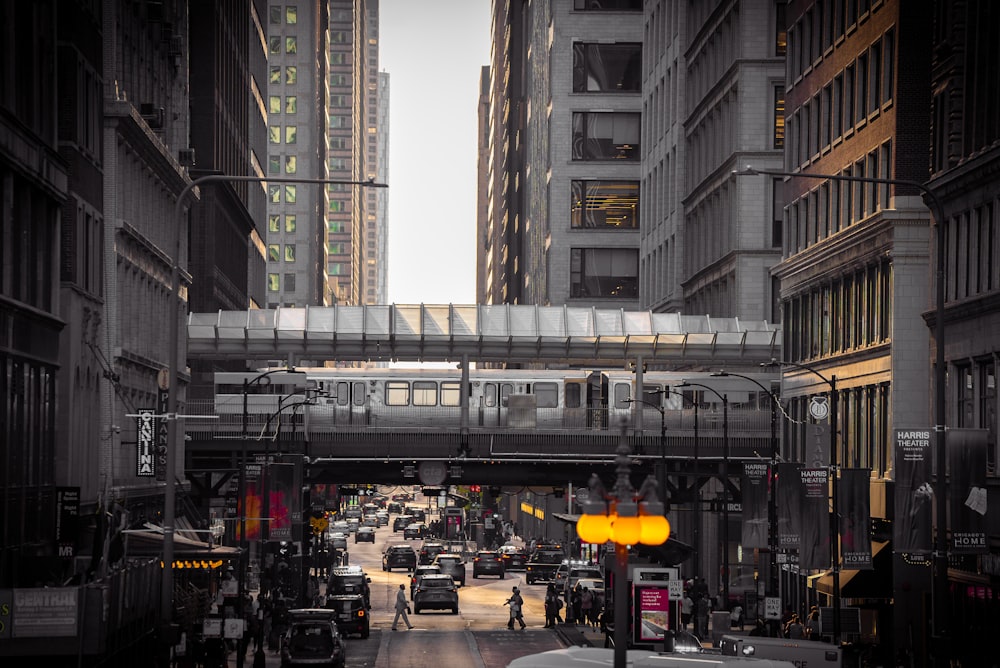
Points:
x=148, y=542
x=670, y=553
x=875, y=583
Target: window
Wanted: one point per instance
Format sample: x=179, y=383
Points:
x=875, y=90
x=273, y=253
x=290, y=192
x=274, y=164
x=605, y=136
x=274, y=44
x=291, y=44
x=275, y=14
x=289, y=282
x=546, y=395
x=779, y=118
x=604, y=272
x=290, y=223
x=604, y=204
x=291, y=74
x=849, y=98
x=273, y=222
x=606, y=68
x=289, y=252
x=291, y=132
x=273, y=283
x=274, y=134
x=397, y=393
x=607, y=5
x=291, y=104
x=888, y=65
x=424, y=393
x=291, y=15
x=291, y=164
x=274, y=194
x=862, y=86
x=780, y=35
x=451, y=393
x=275, y=77
x=274, y=104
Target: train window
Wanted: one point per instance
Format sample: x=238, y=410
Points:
x=451, y=393
x=573, y=395
x=490, y=394
x=506, y=389
x=397, y=393
x=425, y=393
x=623, y=393
x=343, y=393
x=546, y=395
x=359, y=395
x=652, y=394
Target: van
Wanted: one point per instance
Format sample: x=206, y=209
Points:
x=800, y=653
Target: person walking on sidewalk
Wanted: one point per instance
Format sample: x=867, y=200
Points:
x=402, y=607
x=515, y=602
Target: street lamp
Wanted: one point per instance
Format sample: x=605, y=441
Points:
x=173, y=365
x=772, y=502
x=939, y=609
x=725, y=485
x=626, y=518
x=834, y=527
x=663, y=437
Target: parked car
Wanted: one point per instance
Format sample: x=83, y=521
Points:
x=453, y=565
x=365, y=534
x=415, y=530
x=352, y=613
x=487, y=562
x=400, y=522
x=429, y=550
x=311, y=638
x=436, y=592
x=514, y=558
x=399, y=556
x=420, y=571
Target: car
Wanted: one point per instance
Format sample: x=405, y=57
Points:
x=514, y=558
x=349, y=580
x=340, y=526
x=352, y=613
x=370, y=521
x=338, y=541
x=400, y=522
x=436, y=591
x=417, y=513
x=383, y=518
x=542, y=566
x=487, y=562
x=429, y=550
x=453, y=565
x=365, y=534
x=353, y=513
x=394, y=507
x=399, y=556
x=353, y=524
x=570, y=571
x=420, y=571
x=415, y=530
x=311, y=638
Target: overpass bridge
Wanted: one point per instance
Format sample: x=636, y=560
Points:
x=467, y=452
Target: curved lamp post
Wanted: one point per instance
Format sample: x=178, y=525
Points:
x=624, y=517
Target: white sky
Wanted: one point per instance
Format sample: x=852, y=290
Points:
x=433, y=51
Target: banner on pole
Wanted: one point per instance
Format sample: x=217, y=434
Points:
x=854, y=508
x=814, y=539
x=281, y=501
x=753, y=488
x=789, y=499
x=967, y=464
x=914, y=491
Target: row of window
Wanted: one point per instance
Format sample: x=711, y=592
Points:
x=274, y=163
x=274, y=282
x=606, y=273
x=976, y=402
x=291, y=44
x=274, y=223
x=606, y=136
x=274, y=193
x=291, y=105
x=972, y=252
x=274, y=134
x=819, y=27
x=834, y=205
x=291, y=74
x=604, y=205
x=290, y=15
x=274, y=253
x=607, y=68
x=856, y=94
x=849, y=313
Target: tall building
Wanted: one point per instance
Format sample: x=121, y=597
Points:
x=377, y=287
x=482, y=188
x=298, y=124
x=712, y=101
x=854, y=267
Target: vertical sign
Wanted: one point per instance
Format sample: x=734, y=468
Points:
x=967, y=463
x=67, y=520
x=914, y=492
x=652, y=612
x=253, y=498
x=281, y=493
x=145, y=442
x=789, y=499
x=854, y=508
x=814, y=547
x=162, y=429
x=754, y=490
x=818, y=444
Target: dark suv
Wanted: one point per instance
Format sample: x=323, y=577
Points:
x=399, y=556
x=429, y=550
x=352, y=613
x=312, y=639
x=487, y=562
x=542, y=566
x=349, y=580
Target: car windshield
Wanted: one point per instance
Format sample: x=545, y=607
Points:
x=434, y=583
x=448, y=561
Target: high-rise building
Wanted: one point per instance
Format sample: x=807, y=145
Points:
x=377, y=285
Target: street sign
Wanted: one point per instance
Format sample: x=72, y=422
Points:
x=432, y=473
x=772, y=607
x=819, y=408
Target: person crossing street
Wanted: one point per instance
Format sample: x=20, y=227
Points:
x=402, y=607
x=516, y=603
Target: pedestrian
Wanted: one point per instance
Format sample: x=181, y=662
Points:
x=811, y=630
x=736, y=617
x=516, y=603
x=595, y=610
x=586, y=605
x=402, y=608
x=687, y=610
x=550, y=608
x=702, y=608
x=794, y=629
x=575, y=604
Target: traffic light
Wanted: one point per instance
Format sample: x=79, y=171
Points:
x=476, y=489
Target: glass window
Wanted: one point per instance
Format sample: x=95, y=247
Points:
x=604, y=272
x=290, y=193
x=607, y=5
x=273, y=222
x=274, y=194
x=289, y=282
x=779, y=118
x=275, y=14
x=273, y=283
x=291, y=15
x=275, y=77
x=274, y=44
x=290, y=222
x=490, y=395
x=274, y=104
x=606, y=68
x=291, y=104
x=623, y=393
x=605, y=204
x=291, y=44
x=274, y=164
x=606, y=136
x=451, y=393
x=274, y=134
x=424, y=393
x=397, y=393
x=291, y=132
x=888, y=66
x=573, y=395
x=289, y=252
x=546, y=395
x=291, y=164
x=291, y=74
x=273, y=253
